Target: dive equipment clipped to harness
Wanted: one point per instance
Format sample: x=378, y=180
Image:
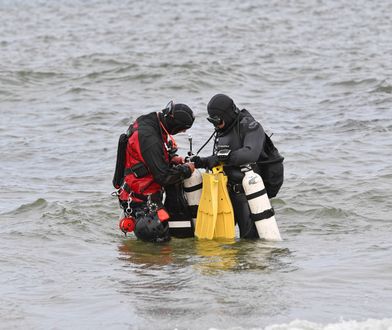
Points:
x=127, y=224
x=150, y=228
x=262, y=212
x=158, y=209
x=149, y=220
x=127, y=220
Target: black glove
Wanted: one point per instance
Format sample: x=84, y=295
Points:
x=198, y=161
x=205, y=162
x=211, y=161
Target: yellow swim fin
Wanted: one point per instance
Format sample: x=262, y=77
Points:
x=225, y=226
x=208, y=207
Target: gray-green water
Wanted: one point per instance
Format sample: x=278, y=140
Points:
x=74, y=73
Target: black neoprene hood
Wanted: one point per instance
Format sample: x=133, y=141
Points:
x=223, y=107
x=181, y=118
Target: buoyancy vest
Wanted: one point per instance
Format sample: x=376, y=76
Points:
x=249, y=144
x=138, y=179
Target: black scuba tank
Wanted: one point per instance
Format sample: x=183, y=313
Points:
x=118, y=177
x=271, y=169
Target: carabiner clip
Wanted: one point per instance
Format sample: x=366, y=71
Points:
x=128, y=210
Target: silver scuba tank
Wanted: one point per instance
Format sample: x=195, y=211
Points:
x=261, y=211
x=192, y=189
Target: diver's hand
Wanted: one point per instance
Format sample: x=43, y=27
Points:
x=205, y=162
x=198, y=161
x=212, y=161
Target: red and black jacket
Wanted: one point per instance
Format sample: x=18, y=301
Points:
x=147, y=163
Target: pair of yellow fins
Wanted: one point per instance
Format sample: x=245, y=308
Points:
x=215, y=215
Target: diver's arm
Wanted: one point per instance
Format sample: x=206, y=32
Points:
x=163, y=174
x=253, y=142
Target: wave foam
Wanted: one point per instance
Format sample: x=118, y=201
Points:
x=369, y=324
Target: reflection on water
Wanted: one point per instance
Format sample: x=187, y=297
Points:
x=215, y=255
x=240, y=255
x=207, y=256
x=148, y=254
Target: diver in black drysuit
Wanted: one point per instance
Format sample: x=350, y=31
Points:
x=239, y=132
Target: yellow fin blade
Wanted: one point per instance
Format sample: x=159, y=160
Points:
x=225, y=226
x=208, y=207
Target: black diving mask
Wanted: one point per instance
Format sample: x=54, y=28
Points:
x=215, y=120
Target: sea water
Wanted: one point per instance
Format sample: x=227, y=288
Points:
x=74, y=74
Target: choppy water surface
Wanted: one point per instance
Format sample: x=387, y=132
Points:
x=74, y=73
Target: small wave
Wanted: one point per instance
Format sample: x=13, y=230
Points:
x=5, y=94
x=383, y=88
x=35, y=76
x=89, y=115
x=355, y=83
x=103, y=59
x=76, y=90
x=65, y=218
x=373, y=125
x=30, y=77
x=40, y=203
x=315, y=214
